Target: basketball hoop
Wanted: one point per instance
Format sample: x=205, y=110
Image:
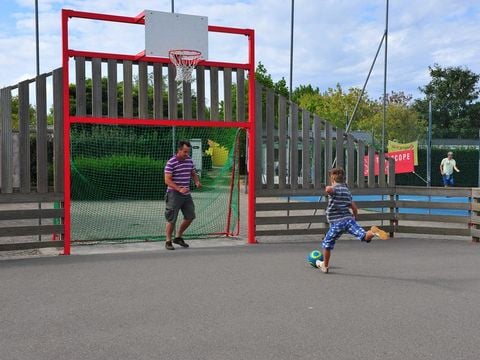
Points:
x=185, y=61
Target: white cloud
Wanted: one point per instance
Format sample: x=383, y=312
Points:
x=335, y=41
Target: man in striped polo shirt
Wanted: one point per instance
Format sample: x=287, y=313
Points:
x=179, y=170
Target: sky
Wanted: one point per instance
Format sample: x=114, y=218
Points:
x=334, y=40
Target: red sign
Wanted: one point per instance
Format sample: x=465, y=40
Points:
x=403, y=162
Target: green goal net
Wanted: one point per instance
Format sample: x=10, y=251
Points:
x=117, y=181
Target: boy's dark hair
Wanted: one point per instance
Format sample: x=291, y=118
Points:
x=183, y=142
x=338, y=174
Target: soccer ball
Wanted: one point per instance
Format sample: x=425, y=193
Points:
x=314, y=256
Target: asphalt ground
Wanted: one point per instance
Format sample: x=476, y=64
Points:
x=400, y=299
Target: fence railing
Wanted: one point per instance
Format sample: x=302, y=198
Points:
x=295, y=150
x=399, y=210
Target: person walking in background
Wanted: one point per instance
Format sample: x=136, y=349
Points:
x=179, y=170
x=447, y=166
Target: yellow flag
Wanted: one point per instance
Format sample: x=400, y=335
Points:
x=395, y=146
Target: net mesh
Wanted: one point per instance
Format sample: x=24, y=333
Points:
x=185, y=62
x=117, y=181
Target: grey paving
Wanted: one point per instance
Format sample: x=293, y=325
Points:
x=401, y=299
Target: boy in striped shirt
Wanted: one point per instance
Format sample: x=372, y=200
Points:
x=179, y=170
x=341, y=214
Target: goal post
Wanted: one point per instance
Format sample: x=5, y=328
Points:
x=200, y=125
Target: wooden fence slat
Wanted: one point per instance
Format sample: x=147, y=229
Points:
x=80, y=87
x=187, y=100
x=172, y=92
x=350, y=161
x=432, y=230
x=227, y=93
x=258, y=137
x=339, y=148
x=201, y=92
x=58, y=148
x=312, y=205
x=97, y=87
x=42, y=141
x=214, y=93
x=31, y=230
x=31, y=214
x=127, y=89
x=270, y=129
x=305, y=149
x=33, y=197
x=270, y=159
x=317, y=151
x=158, y=91
x=328, y=151
x=282, y=142
x=24, y=135
x=361, y=164
x=143, y=90
x=391, y=172
x=7, y=140
x=31, y=245
x=381, y=169
x=371, y=166
x=432, y=205
x=435, y=218
x=292, y=232
x=433, y=191
x=293, y=146
x=240, y=95
x=290, y=219
x=112, y=88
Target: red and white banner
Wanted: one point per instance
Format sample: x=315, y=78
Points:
x=404, y=161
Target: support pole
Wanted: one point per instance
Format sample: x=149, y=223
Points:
x=429, y=145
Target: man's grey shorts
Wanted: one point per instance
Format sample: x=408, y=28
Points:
x=174, y=202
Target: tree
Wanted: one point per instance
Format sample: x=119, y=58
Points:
x=334, y=105
x=264, y=78
x=15, y=114
x=454, y=93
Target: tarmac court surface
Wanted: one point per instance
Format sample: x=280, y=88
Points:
x=398, y=299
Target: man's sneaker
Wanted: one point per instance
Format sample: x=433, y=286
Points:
x=321, y=266
x=379, y=232
x=169, y=246
x=179, y=241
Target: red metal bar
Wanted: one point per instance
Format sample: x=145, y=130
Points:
x=140, y=19
x=158, y=122
x=232, y=185
x=152, y=59
x=66, y=135
x=251, y=139
x=230, y=30
x=103, y=17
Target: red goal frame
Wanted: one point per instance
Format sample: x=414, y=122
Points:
x=248, y=125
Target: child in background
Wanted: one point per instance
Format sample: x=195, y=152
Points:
x=341, y=215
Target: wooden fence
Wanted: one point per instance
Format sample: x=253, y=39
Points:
x=295, y=150
x=31, y=206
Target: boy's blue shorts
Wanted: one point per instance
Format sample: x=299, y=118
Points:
x=337, y=228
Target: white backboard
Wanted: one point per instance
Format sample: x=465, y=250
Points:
x=166, y=31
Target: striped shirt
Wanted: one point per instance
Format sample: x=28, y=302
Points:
x=339, y=204
x=181, y=172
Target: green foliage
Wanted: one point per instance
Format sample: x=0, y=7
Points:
x=454, y=93
x=15, y=114
x=92, y=178
x=403, y=123
x=264, y=78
